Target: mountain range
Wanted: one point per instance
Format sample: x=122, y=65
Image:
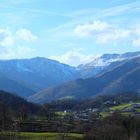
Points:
x=105, y=62
x=27, y=76
x=40, y=79
x=123, y=78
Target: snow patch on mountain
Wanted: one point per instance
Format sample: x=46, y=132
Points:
x=102, y=62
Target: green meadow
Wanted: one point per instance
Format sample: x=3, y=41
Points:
x=41, y=136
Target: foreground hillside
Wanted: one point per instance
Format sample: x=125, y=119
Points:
x=100, y=118
x=123, y=78
x=15, y=105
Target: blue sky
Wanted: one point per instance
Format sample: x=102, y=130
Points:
x=70, y=31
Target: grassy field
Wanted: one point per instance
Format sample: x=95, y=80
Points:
x=105, y=114
x=49, y=136
x=120, y=107
x=61, y=113
x=41, y=136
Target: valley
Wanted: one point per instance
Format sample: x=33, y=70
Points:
x=69, y=70
x=71, y=106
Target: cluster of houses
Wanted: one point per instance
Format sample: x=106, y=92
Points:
x=134, y=108
x=86, y=114
x=92, y=113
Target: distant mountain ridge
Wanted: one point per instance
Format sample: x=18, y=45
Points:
x=34, y=74
x=123, y=78
x=104, y=62
x=28, y=76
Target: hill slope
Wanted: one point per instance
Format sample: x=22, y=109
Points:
x=16, y=104
x=126, y=73
x=14, y=87
x=33, y=74
x=27, y=76
x=105, y=62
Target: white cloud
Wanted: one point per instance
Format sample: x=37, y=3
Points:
x=8, y=41
x=5, y=53
x=6, y=38
x=23, y=50
x=102, y=32
x=73, y=58
x=12, y=43
x=19, y=52
x=26, y=35
x=113, y=36
x=136, y=40
x=91, y=29
x=137, y=30
x=136, y=43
